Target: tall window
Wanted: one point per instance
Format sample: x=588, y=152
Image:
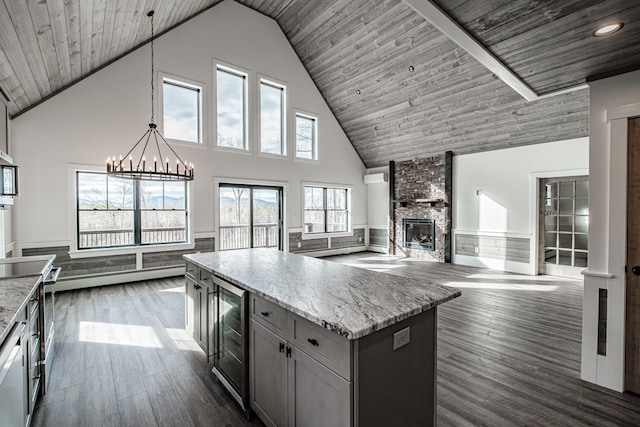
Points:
x=182, y=111
x=326, y=210
x=306, y=137
x=231, y=108
x=120, y=212
x=272, y=136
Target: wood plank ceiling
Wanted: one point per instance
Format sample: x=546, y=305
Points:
x=359, y=53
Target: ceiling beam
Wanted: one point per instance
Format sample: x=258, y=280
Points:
x=440, y=20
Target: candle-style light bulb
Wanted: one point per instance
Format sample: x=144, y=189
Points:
x=167, y=161
x=155, y=164
x=130, y=163
x=144, y=163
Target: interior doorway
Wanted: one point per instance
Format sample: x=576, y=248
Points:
x=564, y=226
x=632, y=279
x=250, y=216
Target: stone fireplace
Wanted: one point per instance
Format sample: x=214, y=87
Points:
x=420, y=197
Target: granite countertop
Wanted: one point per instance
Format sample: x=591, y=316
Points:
x=349, y=301
x=15, y=291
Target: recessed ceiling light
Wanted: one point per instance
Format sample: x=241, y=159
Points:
x=608, y=29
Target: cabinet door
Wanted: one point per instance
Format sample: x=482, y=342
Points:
x=268, y=375
x=202, y=329
x=317, y=396
x=189, y=306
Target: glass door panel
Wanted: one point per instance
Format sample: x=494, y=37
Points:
x=235, y=218
x=266, y=217
x=565, y=226
x=250, y=217
x=230, y=353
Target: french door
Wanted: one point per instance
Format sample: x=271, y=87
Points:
x=250, y=216
x=564, y=226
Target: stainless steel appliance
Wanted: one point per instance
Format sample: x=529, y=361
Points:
x=47, y=316
x=230, y=339
x=39, y=265
x=13, y=378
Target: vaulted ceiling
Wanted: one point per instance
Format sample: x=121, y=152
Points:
x=400, y=87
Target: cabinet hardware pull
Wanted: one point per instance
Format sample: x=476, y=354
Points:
x=196, y=286
x=33, y=299
x=265, y=313
x=37, y=334
x=281, y=347
x=313, y=341
x=288, y=351
x=37, y=377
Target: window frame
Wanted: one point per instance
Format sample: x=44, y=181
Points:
x=284, y=152
x=202, y=107
x=349, y=226
x=137, y=211
x=239, y=72
x=314, y=117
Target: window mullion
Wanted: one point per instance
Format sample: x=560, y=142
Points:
x=137, y=216
x=324, y=208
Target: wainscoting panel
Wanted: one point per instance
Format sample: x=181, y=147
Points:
x=505, y=248
x=306, y=245
x=174, y=258
x=357, y=239
x=379, y=237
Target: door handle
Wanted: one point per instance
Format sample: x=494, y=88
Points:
x=313, y=342
x=281, y=347
x=636, y=270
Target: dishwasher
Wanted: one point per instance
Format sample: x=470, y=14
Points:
x=230, y=308
x=13, y=378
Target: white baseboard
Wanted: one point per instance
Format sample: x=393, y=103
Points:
x=90, y=281
x=378, y=249
x=494, y=264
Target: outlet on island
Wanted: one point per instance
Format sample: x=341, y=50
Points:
x=401, y=338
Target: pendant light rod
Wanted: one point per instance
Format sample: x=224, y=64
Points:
x=140, y=171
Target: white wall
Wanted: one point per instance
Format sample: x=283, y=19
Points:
x=378, y=200
x=613, y=100
x=506, y=180
x=105, y=114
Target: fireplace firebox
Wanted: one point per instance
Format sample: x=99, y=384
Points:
x=419, y=234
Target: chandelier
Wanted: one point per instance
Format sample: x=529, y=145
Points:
x=135, y=165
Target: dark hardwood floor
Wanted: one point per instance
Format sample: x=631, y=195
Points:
x=508, y=354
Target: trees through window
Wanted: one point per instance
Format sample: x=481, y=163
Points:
x=326, y=210
x=121, y=212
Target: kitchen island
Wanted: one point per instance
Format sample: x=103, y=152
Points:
x=330, y=344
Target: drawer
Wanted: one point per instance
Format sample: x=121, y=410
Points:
x=271, y=315
x=326, y=347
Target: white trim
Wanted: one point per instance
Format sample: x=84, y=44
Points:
x=248, y=133
x=440, y=20
x=244, y=181
x=294, y=149
x=204, y=108
x=284, y=147
x=72, y=221
x=623, y=112
x=534, y=205
x=127, y=250
x=350, y=226
x=89, y=281
x=598, y=274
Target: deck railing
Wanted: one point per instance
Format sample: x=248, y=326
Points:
x=123, y=237
x=231, y=236
x=237, y=236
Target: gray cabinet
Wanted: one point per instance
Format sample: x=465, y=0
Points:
x=318, y=396
x=197, y=289
x=268, y=375
x=291, y=387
